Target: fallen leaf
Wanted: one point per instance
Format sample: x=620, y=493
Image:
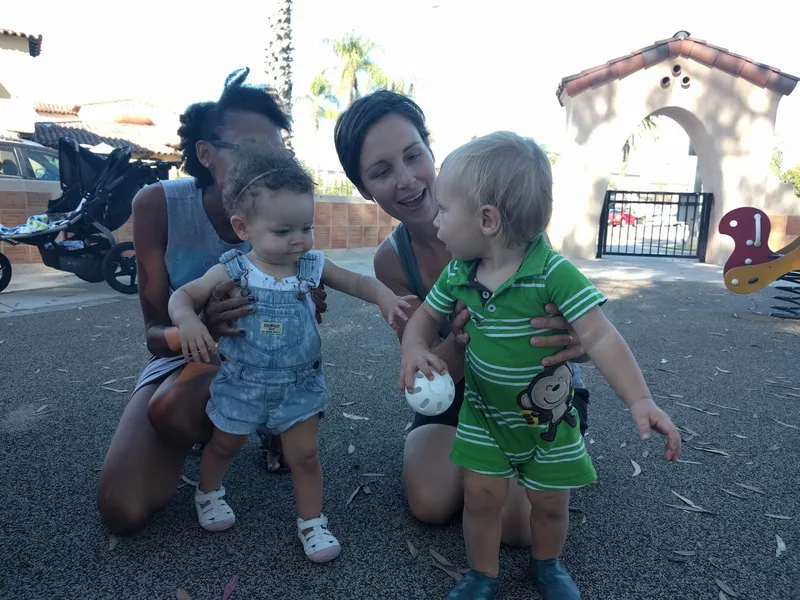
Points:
x=786, y=424
x=713, y=414
x=781, y=517
x=685, y=552
x=750, y=487
x=675, y=396
x=412, y=550
x=781, y=546
x=110, y=389
x=583, y=520
x=741, y=437
x=711, y=451
x=353, y=495
x=441, y=559
x=685, y=508
x=725, y=588
x=230, y=587
x=354, y=417
x=591, y=441
x=408, y=426
x=329, y=364
x=646, y=453
x=664, y=361
x=366, y=489
x=182, y=594
x=690, y=503
x=723, y=406
x=676, y=559
x=358, y=374
x=636, y=468
x=41, y=408
x=452, y=572
x=348, y=403
x=188, y=481
x=721, y=370
x=722, y=595
x=734, y=494
x=689, y=462
x=688, y=356
x=623, y=444
x=667, y=371
x=113, y=541
x=351, y=449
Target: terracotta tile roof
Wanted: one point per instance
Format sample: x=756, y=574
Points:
x=34, y=42
x=142, y=140
x=681, y=44
x=57, y=109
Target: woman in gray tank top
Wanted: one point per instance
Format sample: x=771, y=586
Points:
x=180, y=230
x=383, y=146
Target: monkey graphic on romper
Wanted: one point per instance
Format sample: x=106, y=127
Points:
x=548, y=399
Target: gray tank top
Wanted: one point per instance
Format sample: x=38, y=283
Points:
x=193, y=246
x=401, y=242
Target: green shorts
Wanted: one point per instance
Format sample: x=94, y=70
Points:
x=501, y=444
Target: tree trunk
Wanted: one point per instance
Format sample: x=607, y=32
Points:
x=278, y=63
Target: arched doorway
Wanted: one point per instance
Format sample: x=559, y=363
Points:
x=726, y=103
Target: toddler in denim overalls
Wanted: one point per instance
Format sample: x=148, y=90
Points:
x=272, y=375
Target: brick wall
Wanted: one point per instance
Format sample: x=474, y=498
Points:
x=784, y=229
x=339, y=223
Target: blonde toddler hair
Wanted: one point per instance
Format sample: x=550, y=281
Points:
x=511, y=173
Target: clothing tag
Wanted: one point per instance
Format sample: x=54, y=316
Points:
x=271, y=328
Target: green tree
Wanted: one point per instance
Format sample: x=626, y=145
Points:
x=278, y=56
x=353, y=54
x=790, y=176
x=324, y=104
x=646, y=127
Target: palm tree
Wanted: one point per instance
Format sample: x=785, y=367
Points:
x=353, y=53
x=278, y=56
x=647, y=126
x=324, y=104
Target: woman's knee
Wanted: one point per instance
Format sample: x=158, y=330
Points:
x=170, y=415
x=430, y=508
x=121, y=515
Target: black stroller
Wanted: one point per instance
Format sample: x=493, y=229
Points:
x=76, y=236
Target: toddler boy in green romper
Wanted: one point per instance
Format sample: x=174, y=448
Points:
x=507, y=426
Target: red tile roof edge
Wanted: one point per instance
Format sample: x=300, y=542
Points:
x=34, y=41
x=57, y=108
x=679, y=45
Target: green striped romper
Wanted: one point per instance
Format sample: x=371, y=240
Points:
x=517, y=419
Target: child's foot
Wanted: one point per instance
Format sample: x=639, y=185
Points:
x=475, y=586
x=553, y=581
x=318, y=542
x=213, y=512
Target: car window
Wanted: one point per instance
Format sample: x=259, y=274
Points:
x=9, y=167
x=43, y=165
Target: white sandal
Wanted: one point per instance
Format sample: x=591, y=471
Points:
x=319, y=544
x=216, y=515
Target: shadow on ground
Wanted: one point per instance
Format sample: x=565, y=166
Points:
x=698, y=345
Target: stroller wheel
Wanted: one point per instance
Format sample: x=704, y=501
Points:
x=119, y=268
x=5, y=271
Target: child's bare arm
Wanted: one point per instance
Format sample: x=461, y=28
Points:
x=612, y=355
x=184, y=305
x=370, y=290
x=420, y=333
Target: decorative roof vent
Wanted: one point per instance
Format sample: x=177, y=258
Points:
x=682, y=34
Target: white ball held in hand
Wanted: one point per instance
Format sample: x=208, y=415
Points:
x=431, y=398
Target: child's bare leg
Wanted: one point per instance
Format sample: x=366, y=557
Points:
x=549, y=524
x=217, y=456
x=300, y=446
x=484, y=497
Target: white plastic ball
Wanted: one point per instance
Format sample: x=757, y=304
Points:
x=431, y=398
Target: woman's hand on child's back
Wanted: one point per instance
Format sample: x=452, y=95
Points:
x=196, y=342
x=648, y=416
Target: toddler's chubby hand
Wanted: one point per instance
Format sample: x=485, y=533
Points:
x=648, y=416
x=196, y=342
x=396, y=309
x=418, y=358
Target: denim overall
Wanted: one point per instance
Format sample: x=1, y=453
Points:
x=273, y=375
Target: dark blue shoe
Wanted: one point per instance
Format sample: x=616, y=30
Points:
x=475, y=586
x=553, y=581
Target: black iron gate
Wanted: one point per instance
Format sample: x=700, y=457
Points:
x=655, y=224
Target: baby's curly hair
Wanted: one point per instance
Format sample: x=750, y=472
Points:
x=259, y=166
